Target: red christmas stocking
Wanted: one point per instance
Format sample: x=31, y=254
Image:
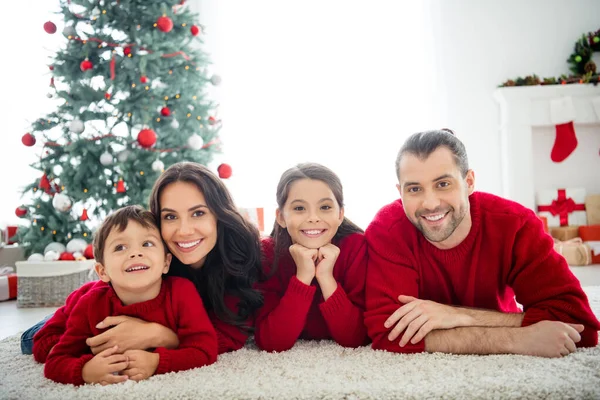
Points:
x=565, y=142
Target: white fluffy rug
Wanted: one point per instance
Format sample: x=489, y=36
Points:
x=324, y=370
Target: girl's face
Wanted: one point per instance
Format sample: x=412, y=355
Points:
x=311, y=213
x=188, y=227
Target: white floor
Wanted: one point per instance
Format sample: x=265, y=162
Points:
x=14, y=320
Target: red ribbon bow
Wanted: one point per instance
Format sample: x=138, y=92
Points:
x=562, y=206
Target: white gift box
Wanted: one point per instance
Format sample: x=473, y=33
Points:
x=562, y=207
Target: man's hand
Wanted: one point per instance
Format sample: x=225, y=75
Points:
x=416, y=318
x=305, y=260
x=104, y=367
x=142, y=364
x=548, y=339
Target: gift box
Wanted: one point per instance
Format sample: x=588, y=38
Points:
x=591, y=236
x=592, y=208
x=544, y=223
x=574, y=251
x=564, y=233
x=8, y=284
x=562, y=207
x=9, y=255
x=8, y=235
x=254, y=215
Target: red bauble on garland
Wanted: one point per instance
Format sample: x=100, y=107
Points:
x=127, y=50
x=86, y=65
x=66, y=256
x=49, y=27
x=164, y=24
x=165, y=112
x=224, y=171
x=21, y=212
x=28, y=139
x=146, y=138
x=194, y=30
x=143, y=79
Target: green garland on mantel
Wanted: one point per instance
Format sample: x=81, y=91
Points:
x=581, y=65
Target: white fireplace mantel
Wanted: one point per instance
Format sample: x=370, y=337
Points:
x=522, y=109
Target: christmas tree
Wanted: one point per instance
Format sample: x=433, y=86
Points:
x=130, y=83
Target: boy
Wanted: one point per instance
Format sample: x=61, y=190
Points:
x=131, y=260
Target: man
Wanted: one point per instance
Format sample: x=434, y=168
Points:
x=446, y=263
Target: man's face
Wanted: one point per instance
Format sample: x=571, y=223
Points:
x=436, y=197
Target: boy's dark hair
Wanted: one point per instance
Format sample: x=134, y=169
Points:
x=234, y=265
x=119, y=220
x=422, y=144
x=281, y=237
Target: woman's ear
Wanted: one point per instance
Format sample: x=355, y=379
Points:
x=101, y=271
x=341, y=215
x=280, y=219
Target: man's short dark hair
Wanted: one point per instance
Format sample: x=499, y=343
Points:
x=422, y=144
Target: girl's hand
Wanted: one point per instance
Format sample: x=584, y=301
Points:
x=305, y=260
x=142, y=364
x=326, y=259
x=130, y=333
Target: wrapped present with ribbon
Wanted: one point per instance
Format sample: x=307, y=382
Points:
x=564, y=233
x=591, y=236
x=562, y=207
x=574, y=251
x=8, y=283
x=592, y=208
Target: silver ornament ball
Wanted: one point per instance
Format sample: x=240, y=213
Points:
x=106, y=159
x=158, y=166
x=195, y=142
x=76, y=126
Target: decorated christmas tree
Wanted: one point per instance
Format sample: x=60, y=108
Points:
x=131, y=89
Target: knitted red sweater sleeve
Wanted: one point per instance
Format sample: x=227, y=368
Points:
x=197, y=337
x=391, y=272
x=343, y=310
x=544, y=284
x=53, y=329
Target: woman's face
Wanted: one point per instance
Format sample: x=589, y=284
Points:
x=188, y=226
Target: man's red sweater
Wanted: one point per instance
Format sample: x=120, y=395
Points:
x=506, y=253
x=293, y=310
x=178, y=307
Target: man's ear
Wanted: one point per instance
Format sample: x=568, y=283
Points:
x=101, y=271
x=399, y=189
x=168, y=259
x=470, y=180
x=280, y=219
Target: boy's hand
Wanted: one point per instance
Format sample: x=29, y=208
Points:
x=142, y=364
x=104, y=368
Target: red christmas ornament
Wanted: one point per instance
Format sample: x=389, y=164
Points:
x=127, y=50
x=165, y=112
x=21, y=212
x=89, y=252
x=56, y=188
x=51, y=67
x=84, y=216
x=146, y=138
x=107, y=96
x=85, y=65
x=66, y=256
x=212, y=120
x=164, y=24
x=224, y=171
x=121, y=186
x=194, y=30
x=143, y=79
x=44, y=182
x=49, y=27
x=28, y=139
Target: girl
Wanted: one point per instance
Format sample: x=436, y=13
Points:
x=316, y=260
x=212, y=245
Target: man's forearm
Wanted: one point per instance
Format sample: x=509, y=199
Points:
x=489, y=318
x=472, y=340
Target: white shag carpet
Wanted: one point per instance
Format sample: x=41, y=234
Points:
x=324, y=370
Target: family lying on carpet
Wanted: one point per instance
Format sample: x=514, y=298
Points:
x=439, y=270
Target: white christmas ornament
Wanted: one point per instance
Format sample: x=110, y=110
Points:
x=76, y=126
x=174, y=124
x=122, y=156
x=215, y=80
x=61, y=202
x=55, y=247
x=195, y=142
x=106, y=159
x=158, y=166
x=69, y=31
x=77, y=255
x=76, y=245
x=51, y=256
x=49, y=95
x=36, y=257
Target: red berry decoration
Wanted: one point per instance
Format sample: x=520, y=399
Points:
x=85, y=65
x=146, y=138
x=127, y=50
x=21, y=212
x=107, y=96
x=66, y=256
x=224, y=171
x=164, y=24
x=49, y=27
x=165, y=112
x=28, y=139
x=143, y=79
x=89, y=252
x=194, y=30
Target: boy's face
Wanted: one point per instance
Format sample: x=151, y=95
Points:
x=135, y=259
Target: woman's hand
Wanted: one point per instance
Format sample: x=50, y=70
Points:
x=129, y=333
x=305, y=260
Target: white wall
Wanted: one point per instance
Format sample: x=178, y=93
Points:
x=483, y=43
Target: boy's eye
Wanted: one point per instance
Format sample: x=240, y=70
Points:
x=119, y=247
x=148, y=243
